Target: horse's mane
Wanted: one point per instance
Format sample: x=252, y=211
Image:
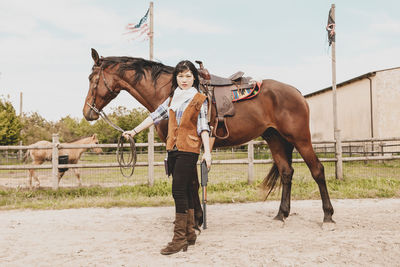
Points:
x=138, y=65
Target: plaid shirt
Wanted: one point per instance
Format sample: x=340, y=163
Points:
x=162, y=113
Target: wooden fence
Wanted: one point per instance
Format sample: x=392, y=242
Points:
x=356, y=150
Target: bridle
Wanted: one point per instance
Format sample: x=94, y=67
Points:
x=94, y=92
x=124, y=164
x=132, y=157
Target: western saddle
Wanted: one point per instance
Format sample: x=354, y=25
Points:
x=219, y=91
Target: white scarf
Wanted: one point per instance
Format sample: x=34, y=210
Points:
x=181, y=96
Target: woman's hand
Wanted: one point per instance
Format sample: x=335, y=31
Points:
x=126, y=134
x=207, y=157
x=206, y=144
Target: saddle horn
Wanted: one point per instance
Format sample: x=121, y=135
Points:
x=200, y=64
x=203, y=72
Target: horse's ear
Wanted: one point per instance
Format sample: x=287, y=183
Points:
x=95, y=57
x=94, y=136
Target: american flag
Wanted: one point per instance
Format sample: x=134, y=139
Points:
x=139, y=30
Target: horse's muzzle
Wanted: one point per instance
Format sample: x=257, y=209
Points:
x=89, y=114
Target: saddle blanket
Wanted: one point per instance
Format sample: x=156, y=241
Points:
x=245, y=93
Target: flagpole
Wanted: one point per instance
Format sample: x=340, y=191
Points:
x=150, y=136
x=339, y=162
x=151, y=30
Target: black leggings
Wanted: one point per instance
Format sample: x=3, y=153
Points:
x=184, y=174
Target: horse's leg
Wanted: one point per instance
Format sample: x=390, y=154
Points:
x=317, y=171
x=60, y=175
x=281, y=151
x=37, y=180
x=78, y=176
x=31, y=173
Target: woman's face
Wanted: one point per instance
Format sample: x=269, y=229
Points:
x=185, y=79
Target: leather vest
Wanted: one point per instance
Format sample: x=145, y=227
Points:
x=184, y=136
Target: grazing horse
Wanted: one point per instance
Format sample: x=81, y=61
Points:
x=39, y=156
x=279, y=114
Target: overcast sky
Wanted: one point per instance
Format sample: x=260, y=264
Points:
x=45, y=44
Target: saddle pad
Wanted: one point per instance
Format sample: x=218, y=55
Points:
x=246, y=93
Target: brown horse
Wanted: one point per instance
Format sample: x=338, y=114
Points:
x=279, y=114
x=39, y=156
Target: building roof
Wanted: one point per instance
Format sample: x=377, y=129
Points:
x=364, y=76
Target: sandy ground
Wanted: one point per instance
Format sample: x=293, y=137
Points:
x=367, y=233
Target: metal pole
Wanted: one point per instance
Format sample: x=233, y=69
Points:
x=338, y=146
x=150, y=136
x=54, y=161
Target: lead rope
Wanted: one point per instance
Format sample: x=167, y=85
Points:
x=124, y=164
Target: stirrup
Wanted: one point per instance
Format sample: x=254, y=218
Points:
x=226, y=128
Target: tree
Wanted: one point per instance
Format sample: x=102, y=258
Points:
x=36, y=128
x=70, y=129
x=10, y=124
x=128, y=120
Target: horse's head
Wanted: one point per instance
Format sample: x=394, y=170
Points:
x=103, y=87
x=94, y=140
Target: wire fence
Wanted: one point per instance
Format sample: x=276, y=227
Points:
x=247, y=163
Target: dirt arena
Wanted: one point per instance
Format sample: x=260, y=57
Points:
x=367, y=233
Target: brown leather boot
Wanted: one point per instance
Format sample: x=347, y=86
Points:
x=179, y=241
x=190, y=232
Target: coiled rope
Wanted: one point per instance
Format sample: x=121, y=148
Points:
x=124, y=163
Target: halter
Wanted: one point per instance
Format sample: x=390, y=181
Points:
x=131, y=162
x=132, y=157
x=94, y=92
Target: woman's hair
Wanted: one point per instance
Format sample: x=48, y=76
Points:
x=182, y=66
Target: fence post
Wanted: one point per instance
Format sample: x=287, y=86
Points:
x=150, y=156
x=372, y=148
x=20, y=154
x=350, y=150
x=54, y=161
x=338, y=155
x=365, y=151
x=250, y=156
x=381, y=145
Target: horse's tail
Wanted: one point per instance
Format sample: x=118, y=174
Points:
x=270, y=181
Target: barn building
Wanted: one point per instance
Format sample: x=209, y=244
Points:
x=368, y=106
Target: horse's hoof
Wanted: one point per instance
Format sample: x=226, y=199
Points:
x=279, y=217
x=278, y=222
x=329, y=226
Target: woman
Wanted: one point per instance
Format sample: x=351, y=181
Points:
x=188, y=128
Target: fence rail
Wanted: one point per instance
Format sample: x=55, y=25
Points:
x=370, y=149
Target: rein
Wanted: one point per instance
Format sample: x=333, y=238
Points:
x=123, y=163
x=130, y=162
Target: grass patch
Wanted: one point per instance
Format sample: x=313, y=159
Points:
x=160, y=193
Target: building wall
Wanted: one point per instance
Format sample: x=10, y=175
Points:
x=354, y=108
x=386, y=104
x=354, y=115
